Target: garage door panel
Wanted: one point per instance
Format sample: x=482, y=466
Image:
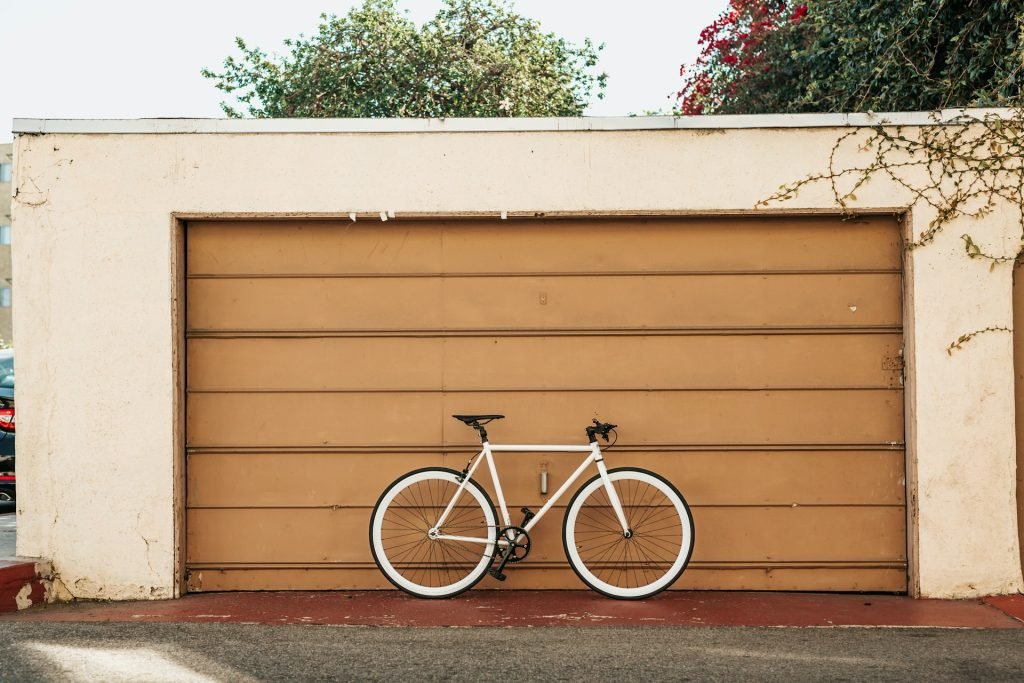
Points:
x=710, y=301
x=621, y=245
x=669, y=362
x=300, y=247
x=516, y=363
x=697, y=577
x=546, y=303
x=801, y=534
x=314, y=419
x=314, y=303
x=871, y=416
x=755, y=362
x=357, y=479
x=681, y=244
x=309, y=535
x=755, y=477
x=315, y=364
x=736, y=534
x=300, y=479
x=817, y=577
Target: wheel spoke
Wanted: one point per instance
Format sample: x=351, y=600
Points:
x=407, y=554
x=658, y=546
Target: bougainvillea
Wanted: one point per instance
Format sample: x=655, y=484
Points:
x=733, y=48
x=763, y=56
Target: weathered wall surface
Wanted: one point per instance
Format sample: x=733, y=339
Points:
x=6, y=281
x=96, y=390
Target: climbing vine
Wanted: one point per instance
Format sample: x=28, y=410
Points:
x=960, y=167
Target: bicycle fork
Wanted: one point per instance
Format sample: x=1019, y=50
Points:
x=613, y=496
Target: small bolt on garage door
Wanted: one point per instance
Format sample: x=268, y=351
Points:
x=755, y=362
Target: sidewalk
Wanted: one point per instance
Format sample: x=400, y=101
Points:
x=547, y=608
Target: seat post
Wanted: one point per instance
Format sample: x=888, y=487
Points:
x=483, y=432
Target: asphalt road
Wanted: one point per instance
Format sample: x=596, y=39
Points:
x=115, y=652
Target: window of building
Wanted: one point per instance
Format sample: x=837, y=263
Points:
x=5, y=297
x=5, y=173
x=5, y=234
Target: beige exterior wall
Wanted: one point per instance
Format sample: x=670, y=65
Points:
x=6, y=333
x=98, y=399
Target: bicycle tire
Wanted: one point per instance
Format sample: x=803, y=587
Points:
x=652, y=558
x=408, y=557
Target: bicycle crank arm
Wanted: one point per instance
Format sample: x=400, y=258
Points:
x=497, y=572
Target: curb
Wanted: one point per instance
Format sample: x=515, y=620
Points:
x=504, y=608
x=21, y=585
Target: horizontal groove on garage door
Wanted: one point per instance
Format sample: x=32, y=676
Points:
x=196, y=333
x=496, y=273
x=753, y=361
x=693, y=564
x=469, y=449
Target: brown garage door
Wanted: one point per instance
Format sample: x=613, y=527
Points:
x=755, y=362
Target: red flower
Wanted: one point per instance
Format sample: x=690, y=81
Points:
x=730, y=59
x=799, y=12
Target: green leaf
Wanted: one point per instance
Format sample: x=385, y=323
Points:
x=474, y=58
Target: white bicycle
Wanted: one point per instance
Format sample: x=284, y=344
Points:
x=628, y=532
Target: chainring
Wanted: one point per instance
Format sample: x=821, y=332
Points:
x=519, y=543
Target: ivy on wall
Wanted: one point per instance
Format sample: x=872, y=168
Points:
x=960, y=167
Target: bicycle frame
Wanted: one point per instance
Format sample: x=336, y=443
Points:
x=487, y=452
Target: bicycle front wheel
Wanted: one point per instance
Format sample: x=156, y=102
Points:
x=410, y=555
x=647, y=560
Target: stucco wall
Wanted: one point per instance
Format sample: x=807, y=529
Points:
x=6, y=157
x=96, y=370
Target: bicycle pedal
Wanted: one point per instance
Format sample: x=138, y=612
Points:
x=496, y=574
x=528, y=515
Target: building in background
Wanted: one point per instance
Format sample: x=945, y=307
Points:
x=6, y=177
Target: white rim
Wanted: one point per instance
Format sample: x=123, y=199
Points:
x=486, y=550
x=639, y=591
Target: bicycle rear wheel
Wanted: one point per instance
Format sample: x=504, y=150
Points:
x=651, y=558
x=405, y=552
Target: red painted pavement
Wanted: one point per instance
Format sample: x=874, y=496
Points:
x=538, y=608
x=1011, y=604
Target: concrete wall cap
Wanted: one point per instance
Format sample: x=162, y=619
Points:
x=481, y=125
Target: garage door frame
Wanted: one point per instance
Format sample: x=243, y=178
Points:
x=178, y=301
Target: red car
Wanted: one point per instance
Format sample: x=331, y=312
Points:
x=7, y=480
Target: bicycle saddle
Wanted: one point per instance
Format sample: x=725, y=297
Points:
x=470, y=419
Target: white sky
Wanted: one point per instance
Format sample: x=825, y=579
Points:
x=138, y=59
